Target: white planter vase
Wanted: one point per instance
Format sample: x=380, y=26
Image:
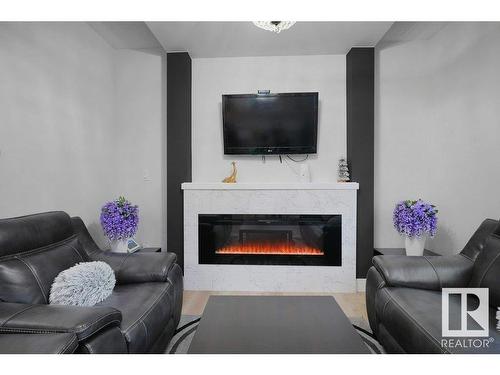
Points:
x=119, y=246
x=415, y=245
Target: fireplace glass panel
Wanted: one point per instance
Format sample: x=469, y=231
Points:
x=309, y=240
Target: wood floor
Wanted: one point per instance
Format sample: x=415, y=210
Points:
x=353, y=304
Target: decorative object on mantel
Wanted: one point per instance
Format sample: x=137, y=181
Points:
x=231, y=179
x=120, y=220
x=274, y=26
x=343, y=171
x=416, y=220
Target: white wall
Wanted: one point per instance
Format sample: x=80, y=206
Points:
x=139, y=127
x=437, y=129
x=56, y=110
x=68, y=113
x=213, y=77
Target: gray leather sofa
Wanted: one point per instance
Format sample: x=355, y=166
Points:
x=140, y=316
x=403, y=294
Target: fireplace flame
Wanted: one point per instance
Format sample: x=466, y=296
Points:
x=269, y=249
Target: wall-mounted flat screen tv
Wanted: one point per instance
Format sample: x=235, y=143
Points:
x=270, y=124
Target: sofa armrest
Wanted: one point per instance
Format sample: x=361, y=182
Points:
x=49, y=343
x=137, y=267
x=79, y=320
x=424, y=272
x=128, y=267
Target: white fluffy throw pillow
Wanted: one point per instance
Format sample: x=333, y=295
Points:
x=83, y=285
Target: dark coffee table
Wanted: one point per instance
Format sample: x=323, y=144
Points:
x=275, y=324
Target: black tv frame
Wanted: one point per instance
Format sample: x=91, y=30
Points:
x=270, y=150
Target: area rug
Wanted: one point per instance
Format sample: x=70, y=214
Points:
x=189, y=323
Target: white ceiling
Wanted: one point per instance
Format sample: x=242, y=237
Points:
x=234, y=39
x=126, y=35
x=402, y=32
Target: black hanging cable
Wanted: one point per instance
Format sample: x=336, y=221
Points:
x=297, y=161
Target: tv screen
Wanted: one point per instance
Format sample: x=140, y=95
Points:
x=270, y=124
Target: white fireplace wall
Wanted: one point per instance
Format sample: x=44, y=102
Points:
x=204, y=199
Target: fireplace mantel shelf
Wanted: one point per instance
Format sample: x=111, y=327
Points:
x=269, y=186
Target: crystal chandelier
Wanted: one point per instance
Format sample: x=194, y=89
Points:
x=275, y=26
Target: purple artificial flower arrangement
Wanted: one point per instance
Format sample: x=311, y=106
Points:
x=119, y=219
x=415, y=218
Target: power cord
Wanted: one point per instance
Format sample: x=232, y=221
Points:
x=292, y=168
x=297, y=161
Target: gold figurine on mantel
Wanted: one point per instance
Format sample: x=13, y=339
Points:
x=231, y=179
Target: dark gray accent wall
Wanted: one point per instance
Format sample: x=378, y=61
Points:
x=360, y=147
x=178, y=146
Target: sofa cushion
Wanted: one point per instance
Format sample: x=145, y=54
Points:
x=145, y=308
x=487, y=268
x=29, y=343
x=413, y=318
x=476, y=243
x=84, y=284
x=25, y=233
x=26, y=277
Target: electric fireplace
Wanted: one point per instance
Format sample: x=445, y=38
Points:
x=308, y=240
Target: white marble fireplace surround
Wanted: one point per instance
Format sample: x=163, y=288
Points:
x=279, y=198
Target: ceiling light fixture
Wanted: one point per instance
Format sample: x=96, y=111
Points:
x=275, y=26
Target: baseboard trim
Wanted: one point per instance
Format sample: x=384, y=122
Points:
x=361, y=285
